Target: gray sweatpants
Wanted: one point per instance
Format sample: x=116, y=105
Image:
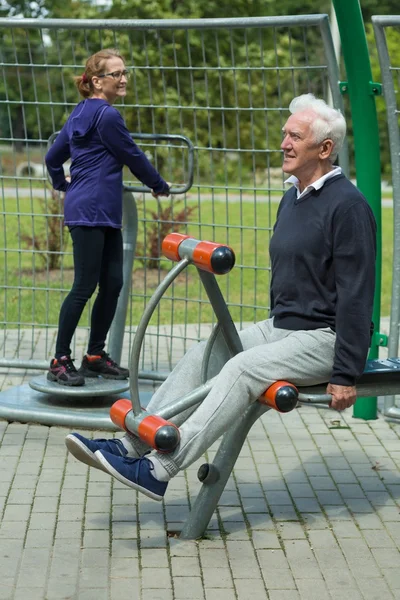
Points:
x=269, y=354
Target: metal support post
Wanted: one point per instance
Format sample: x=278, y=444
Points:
x=366, y=141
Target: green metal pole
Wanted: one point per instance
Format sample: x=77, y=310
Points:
x=362, y=90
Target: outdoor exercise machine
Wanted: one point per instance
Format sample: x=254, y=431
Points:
x=381, y=377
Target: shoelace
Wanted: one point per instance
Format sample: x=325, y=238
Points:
x=109, y=360
x=138, y=462
x=68, y=363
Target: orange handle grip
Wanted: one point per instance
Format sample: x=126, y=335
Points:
x=149, y=426
x=281, y=396
x=118, y=412
x=213, y=257
x=170, y=245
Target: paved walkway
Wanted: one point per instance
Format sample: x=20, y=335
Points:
x=312, y=511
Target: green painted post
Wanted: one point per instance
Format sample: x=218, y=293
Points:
x=362, y=92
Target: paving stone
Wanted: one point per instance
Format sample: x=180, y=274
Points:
x=93, y=577
x=283, y=594
x=186, y=588
x=307, y=505
x=125, y=549
x=278, y=579
x=312, y=589
x=291, y=531
x=22, y=593
x=248, y=589
x=125, y=588
x=217, y=578
x=219, y=594
x=374, y=589
x=155, y=594
x=94, y=594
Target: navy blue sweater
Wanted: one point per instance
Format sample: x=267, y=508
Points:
x=95, y=137
x=323, y=269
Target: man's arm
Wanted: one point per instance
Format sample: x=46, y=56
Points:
x=354, y=253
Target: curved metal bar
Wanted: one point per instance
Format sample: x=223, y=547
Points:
x=174, y=189
x=187, y=401
x=141, y=331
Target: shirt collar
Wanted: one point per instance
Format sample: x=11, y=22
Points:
x=316, y=185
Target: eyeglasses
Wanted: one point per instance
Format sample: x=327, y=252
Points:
x=117, y=75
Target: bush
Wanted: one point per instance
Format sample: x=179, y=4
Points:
x=50, y=243
x=158, y=224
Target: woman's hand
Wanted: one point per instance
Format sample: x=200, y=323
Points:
x=155, y=195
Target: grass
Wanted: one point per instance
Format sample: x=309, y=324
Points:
x=30, y=294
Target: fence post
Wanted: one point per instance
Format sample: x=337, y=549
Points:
x=362, y=92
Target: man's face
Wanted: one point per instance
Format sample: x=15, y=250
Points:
x=300, y=152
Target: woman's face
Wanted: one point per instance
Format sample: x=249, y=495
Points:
x=111, y=84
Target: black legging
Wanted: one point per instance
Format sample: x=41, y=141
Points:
x=98, y=257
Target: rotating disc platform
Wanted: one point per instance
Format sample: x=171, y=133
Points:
x=47, y=403
x=94, y=386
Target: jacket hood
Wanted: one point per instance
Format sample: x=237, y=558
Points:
x=85, y=118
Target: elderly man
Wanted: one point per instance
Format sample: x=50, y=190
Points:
x=322, y=287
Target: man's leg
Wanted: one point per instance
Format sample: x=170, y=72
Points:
x=184, y=378
x=301, y=357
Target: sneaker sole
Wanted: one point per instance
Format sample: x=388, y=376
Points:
x=82, y=452
x=55, y=379
x=110, y=469
x=94, y=374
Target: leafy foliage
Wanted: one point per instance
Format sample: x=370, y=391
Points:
x=159, y=223
x=49, y=243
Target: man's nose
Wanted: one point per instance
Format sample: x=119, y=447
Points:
x=285, y=142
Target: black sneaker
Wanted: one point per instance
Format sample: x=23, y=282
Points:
x=62, y=370
x=102, y=366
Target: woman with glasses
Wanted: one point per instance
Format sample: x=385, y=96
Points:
x=98, y=142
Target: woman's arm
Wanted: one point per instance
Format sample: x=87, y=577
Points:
x=116, y=138
x=58, y=154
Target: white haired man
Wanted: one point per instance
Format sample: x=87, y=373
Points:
x=322, y=288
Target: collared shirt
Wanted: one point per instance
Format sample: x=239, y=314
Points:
x=316, y=185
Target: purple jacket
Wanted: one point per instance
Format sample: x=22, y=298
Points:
x=95, y=137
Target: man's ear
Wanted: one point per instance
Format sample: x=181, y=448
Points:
x=326, y=149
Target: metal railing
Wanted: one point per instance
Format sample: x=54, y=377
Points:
x=226, y=85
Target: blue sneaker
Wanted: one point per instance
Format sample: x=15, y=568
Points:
x=83, y=449
x=134, y=472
